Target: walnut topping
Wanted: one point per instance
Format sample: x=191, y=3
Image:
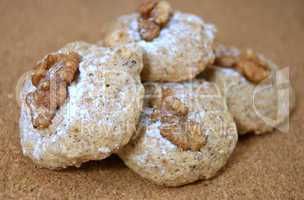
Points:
x=154, y=14
x=187, y=135
x=156, y=96
x=148, y=29
x=155, y=116
x=175, y=105
x=249, y=64
x=226, y=57
x=161, y=13
x=146, y=7
x=252, y=67
x=195, y=137
x=172, y=113
x=167, y=92
x=51, y=79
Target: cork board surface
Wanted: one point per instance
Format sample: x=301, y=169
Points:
x=266, y=167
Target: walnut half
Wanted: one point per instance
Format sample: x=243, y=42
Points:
x=51, y=78
x=247, y=63
x=154, y=15
x=252, y=67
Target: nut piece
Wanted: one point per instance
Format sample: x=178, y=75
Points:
x=249, y=64
x=175, y=105
x=162, y=13
x=196, y=139
x=146, y=7
x=51, y=78
x=154, y=15
x=156, y=97
x=252, y=67
x=155, y=116
x=172, y=113
x=167, y=92
x=226, y=57
x=38, y=102
x=175, y=135
x=148, y=30
x=187, y=135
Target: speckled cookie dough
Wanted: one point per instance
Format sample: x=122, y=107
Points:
x=175, y=51
x=185, y=134
x=260, y=97
x=96, y=115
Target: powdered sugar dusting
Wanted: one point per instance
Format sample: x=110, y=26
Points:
x=182, y=50
x=84, y=128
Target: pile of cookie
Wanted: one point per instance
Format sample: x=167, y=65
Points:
x=158, y=91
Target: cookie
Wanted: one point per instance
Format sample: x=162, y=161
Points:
x=177, y=46
x=185, y=134
x=81, y=103
x=258, y=95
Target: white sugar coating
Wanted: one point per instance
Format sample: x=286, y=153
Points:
x=104, y=150
x=98, y=117
x=256, y=108
x=181, y=51
x=157, y=159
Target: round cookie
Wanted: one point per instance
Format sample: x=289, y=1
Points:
x=185, y=134
x=181, y=51
x=260, y=97
x=97, y=110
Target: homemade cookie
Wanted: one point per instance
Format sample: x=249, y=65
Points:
x=81, y=103
x=185, y=134
x=258, y=95
x=177, y=46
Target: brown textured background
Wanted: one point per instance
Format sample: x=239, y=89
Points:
x=266, y=167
